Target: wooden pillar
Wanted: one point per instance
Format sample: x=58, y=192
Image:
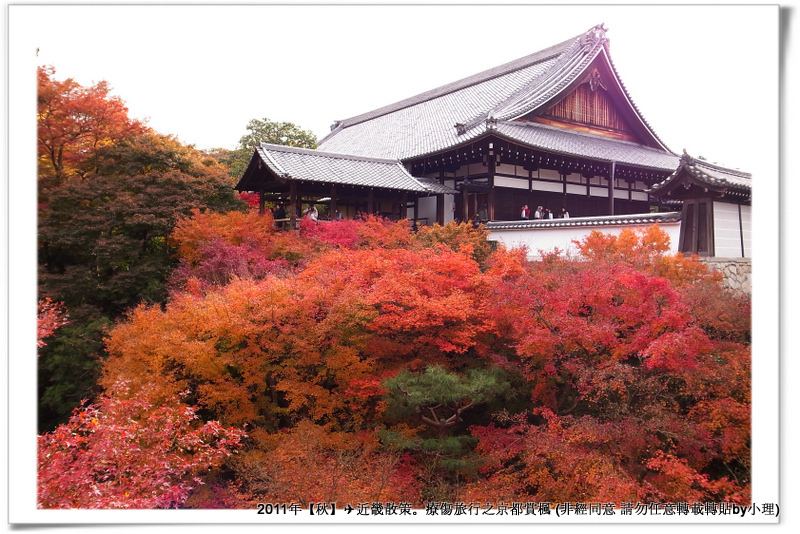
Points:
x=741, y=229
x=492, y=168
x=333, y=202
x=395, y=207
x=292, y=204
x=611, y=187
x=262, y=203
x=370, y=200
x=440, y=209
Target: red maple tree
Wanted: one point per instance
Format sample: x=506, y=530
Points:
x=126, y=452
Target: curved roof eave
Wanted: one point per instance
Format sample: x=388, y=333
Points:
x=554, y=83
x=267, y=154
x=586, y=156
x=624, y=91
x=542, y=103
x=489, y=132
x=691, y=170
x=270, y=162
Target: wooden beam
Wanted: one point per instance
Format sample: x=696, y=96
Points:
x=293, y=204
x=611, y=187
x=492, y=169
x=333, y=202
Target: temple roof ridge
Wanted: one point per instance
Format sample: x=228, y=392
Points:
x=572, y=61
x=462, y=111
x=324, y=154
x=494, y=72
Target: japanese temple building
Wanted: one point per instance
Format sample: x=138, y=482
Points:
x=555, y=129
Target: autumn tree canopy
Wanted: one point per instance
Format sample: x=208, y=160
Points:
x=453, y=375
x=110, y=192
x=129, y=453
x=74, y=122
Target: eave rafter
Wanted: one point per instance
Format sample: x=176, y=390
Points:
x=506, y=152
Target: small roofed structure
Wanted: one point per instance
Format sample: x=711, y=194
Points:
x=292, y=176
x=716, y=215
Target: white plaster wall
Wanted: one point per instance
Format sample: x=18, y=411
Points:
x=510, y=169
x=513, y=183
x=548, y=239
x=548, y=186
x=576, y=189
x=427, y=209
x=548, y=174
x=598, y=191
x=727, y=238
x=449, y=203
x=471, y=170
x=746, y=230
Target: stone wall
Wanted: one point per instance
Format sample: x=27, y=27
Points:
x=736, y=272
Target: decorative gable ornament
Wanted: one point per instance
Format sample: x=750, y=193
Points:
x=596, y=80
x=595, y=36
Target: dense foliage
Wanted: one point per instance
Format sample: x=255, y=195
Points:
x=265, y=131
x=110, y=191
x=369, y=363
x=129, y=453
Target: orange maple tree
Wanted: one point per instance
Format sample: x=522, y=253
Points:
x=624, y=373
x=74, y=122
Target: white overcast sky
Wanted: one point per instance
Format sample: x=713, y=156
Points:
x=704, y=77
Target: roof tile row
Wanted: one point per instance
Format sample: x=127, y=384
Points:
x=313, y=165
x=609, y=220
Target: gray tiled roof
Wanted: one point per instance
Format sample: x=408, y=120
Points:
x=715, y=176
x=586, y=145
x=426, y=122
x=304, y=164
x=464, y=110
x=428, y=125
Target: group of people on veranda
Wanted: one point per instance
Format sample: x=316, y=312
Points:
x=542, y=213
